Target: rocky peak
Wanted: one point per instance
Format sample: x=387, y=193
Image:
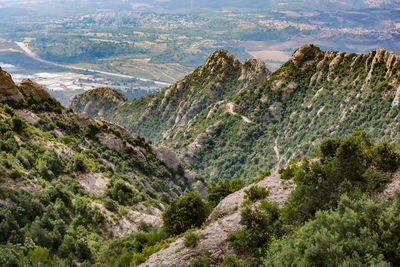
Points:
x=30, y=88
x=8, y=89
x=221, y=58
x=253, y=69
x=306, y=55
x=92, y=103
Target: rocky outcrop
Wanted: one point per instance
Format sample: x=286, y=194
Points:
x=32, y=89
x=95, y=102
x=306, y=55
x=8, y=89
x=130, y=222
x=111, y=141
x=223, y=220
x=28, y=115
x=95, y=183
x=166, y=155
x=253, y=69
x=392, y=187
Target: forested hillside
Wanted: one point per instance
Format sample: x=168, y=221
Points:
x=315, y=95
x=229, y=127
x=338, y=208
x=69, y=184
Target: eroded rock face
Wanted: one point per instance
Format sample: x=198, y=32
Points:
x=390, y=189
x=200, y=188
x=111, y=141
x=30, y=88
x=253, y=69
x=166, y=155
x=8, y=89
x=95, y=102
x=28, y=115
x=223, y=220
x=306, y=55
x=95, y=183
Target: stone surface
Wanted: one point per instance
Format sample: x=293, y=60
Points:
x=30, y=88
x=95, y=183
x=8, y=89
x=28, y=115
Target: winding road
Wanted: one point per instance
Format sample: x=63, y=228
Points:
x=31, y=54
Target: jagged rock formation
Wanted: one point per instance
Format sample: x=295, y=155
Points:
x=152, y=116
x=8, y=89
x=94, y=102
x=315, y=95
x=32, y=89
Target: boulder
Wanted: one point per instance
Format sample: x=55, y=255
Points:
x=8, y=89
x=30, y=88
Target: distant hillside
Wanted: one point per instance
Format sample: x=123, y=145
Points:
x=152, y=116
x=315, y=95
x=68, y=182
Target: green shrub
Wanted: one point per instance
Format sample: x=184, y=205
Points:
x=361, y=232
x=122, y=192
x=261, y=177
x=191, y=239
x=189, y=211
x=53, y=162
x=234, y=261
x=17, y=124
x=386, y=157
x=26, y=158
x=201, y=260
x=352, y=165
x=145, y=254
x=261, y=225
x=78, y=163
x=110, y=204
x=255, y=193
x=218, y=191
x=289, y=214
x=38, y=257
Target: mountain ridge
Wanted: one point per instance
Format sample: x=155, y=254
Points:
x=273, y=117
x=265, y=125
x=221, y=76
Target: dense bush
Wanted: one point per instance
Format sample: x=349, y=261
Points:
x=360, y=232
x=233, y=261
x=218, y=191
x=78, y=163
x=261, y=227
x=189, y=211
x=352, y=165
x=255, y=193
x=121, y=192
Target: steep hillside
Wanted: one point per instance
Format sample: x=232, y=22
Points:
x=341, y=201
x=69, y=183
x=151, y=116
x=224, y=219
x=315, y=95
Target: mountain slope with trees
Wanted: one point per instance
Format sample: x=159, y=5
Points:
x=315, y=95
x=335, y=202
x=152, y=116
x=69, y=184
